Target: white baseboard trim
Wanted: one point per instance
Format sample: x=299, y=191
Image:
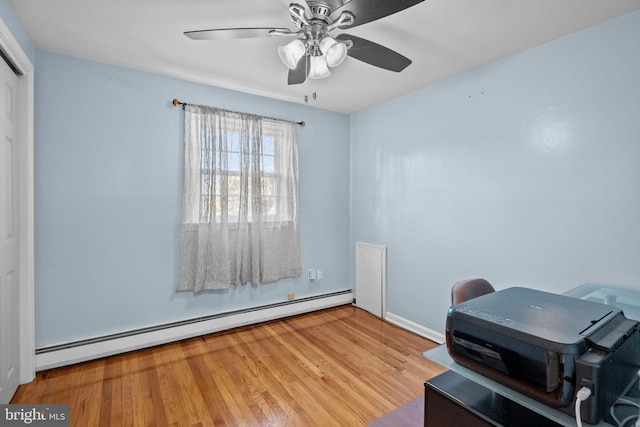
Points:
x=70, y=353
x=415, y=328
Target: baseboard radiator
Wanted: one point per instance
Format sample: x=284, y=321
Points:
x=94, y=348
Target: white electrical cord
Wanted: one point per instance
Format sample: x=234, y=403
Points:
x=583, y=394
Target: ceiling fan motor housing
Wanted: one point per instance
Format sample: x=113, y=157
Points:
x=325, y=7
x=320, y=11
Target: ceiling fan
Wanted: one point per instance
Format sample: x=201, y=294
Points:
x=313, y=51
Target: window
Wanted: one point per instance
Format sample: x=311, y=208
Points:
x=240, y=200
x=237, y=165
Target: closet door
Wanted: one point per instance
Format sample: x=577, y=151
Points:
x=9, y=237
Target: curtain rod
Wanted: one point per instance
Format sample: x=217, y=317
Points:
x=176, y=103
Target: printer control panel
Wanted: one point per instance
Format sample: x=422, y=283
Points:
x=480, y=314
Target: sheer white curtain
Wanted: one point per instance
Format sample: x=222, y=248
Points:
x=240, y=200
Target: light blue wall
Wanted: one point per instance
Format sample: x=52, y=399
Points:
x=524, y=172
x=108, y=182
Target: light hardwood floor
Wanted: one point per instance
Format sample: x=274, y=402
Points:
x=335, y=367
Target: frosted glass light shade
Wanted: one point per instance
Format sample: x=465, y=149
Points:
x=291, y=53
x=319, y=69
x=335, y=52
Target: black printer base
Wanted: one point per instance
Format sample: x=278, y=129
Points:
x=452, y=400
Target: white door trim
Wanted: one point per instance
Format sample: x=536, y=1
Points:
x=21, y=62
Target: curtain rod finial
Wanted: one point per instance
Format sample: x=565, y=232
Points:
x=176, y=102
x=301, y=123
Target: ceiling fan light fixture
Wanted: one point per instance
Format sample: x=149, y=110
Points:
x=291, y=53
x=334, y=51
x=318, y=67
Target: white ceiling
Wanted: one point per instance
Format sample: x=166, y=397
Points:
x=442, y=37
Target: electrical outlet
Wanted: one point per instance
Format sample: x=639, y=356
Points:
x=312, y=274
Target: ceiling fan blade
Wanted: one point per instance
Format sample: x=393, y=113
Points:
x=235, y=33
x=371, y=10
x=299, y=75
x=375, y=54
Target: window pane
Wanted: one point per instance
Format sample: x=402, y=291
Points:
x=268, y=145
x=268, y=164
x=233, y=162
x=233, y=141
x=234, y=185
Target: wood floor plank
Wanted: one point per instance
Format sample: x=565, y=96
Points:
x=335, y=367
x=111, y=399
